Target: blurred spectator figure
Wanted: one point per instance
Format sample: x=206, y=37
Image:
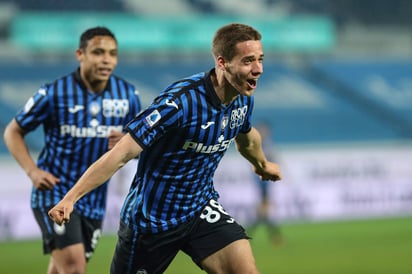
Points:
x=265, y=201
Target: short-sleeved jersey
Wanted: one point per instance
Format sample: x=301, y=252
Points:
x=184, y=134
x=76, y=123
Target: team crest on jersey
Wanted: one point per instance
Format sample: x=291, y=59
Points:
x=237, y=117
x=115, y=107
x=224, y=123
x=153, y=117
x=94, y=108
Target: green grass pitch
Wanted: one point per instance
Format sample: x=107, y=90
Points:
x=381, y=246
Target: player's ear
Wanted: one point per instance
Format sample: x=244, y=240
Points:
x=79, y=55
x=220, y=62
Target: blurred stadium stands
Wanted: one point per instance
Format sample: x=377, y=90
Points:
x=358, y=89
x=367, y=12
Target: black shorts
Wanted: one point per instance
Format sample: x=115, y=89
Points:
x=209, y=232
x=78, y=230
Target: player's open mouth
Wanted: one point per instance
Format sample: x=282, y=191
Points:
x=105, y=71
x=252, y=83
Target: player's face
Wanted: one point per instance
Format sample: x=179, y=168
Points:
x=98, y=60
x=244, y=70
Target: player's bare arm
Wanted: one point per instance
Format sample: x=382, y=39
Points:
x=249, y=146
x=14, y=139
x=98, y=173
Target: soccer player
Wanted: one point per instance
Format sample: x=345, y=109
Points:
x=83, y=115
x=180, y=139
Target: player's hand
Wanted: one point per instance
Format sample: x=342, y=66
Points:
x=114, y=137
x=60, y=213
x=43, y=180
x=269, y=172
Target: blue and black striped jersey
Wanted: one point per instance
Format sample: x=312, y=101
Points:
x=184, y=133
x=76, y=124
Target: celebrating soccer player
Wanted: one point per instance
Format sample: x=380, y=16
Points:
x=180, y=139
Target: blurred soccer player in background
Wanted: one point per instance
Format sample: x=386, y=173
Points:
x=180, y=139
x=265, y=200
x=83, y=115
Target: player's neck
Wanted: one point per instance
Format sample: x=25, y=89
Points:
x=95, y=87
x=224, y=90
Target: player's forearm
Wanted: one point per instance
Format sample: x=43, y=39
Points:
x=250, y=147
x=254, y=155
x=22, y=156
x=14, y=140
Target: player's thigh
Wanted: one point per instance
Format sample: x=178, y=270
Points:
x=236, y=257
x=70, y=259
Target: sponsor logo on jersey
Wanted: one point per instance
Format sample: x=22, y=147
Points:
x=207, y=149
x=208, y=124
x=153, y=117
x=237, y=117
x=29, y=104
x=88, y=132
x=171, y=104
x=115, y=107
x=76, y=108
